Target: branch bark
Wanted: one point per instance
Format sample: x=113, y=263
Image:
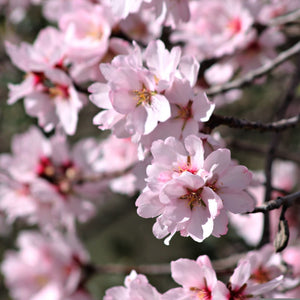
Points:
x=233, y=122
x=277, y=203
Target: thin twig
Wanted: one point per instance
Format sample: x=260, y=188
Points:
x=223, y=265
x=233, y=122
x=288, y=18
x=277, y=203
x=248, y=78
x=105, y=176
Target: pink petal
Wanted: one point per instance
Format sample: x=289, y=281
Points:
x=237, y=202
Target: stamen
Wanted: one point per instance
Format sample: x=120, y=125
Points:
x=143, y=96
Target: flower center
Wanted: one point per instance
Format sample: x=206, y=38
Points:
x=95, y=33
x=187, y=167
x=235, y=25
x=238, y=294
x=59, y=91
x=260, y=275
x=203, y=294
x=184, y=113
x=62, y=176
x=143, y=96
x=193, y=198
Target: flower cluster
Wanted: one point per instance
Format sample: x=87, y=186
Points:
x=251, y=279
x=139, y=101
x=44, y=181
x=191, y=189
x=45, y=267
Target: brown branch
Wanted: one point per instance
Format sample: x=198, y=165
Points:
x=277, y=203
x=279, y=114
x=223, y=266
x=155, y=269
x=105, y=176
x=233, y=122
x=259, y=72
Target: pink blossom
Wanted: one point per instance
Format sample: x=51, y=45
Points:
x=198, y=280
x=136, y=287
x=88, y=69
x=134, y=94
x=42, y=184
x=53, y=10
x=191, y=192
x=291, y=255
x=208, y=37
x=143, y=102
x=86, y=32
x=49, y=92
x=188, y=112
x=58, y=105
x=168, y=11
x=44, y=267
x=46, y=52
x=265, y=265
x=240, y=287
x=122, y=8
x=142, y=26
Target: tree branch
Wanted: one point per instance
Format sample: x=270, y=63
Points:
x=232, y=122
x=288, y=18
x=277, y=203
x=248, y=78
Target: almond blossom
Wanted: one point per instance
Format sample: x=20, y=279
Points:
x=259, y=50
x=133, y=95
x=86, y=32
x=240, y=287
x=208, y=37
x=168, y=11
x=191, y=192
x=265, y=266
x=291, y=256
x=53, y=10
x=44, y=267
x=188, y=112
x=145, y=102
x=44, y=180
x=48, y=91
x=136, y=287
x=198, y=280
